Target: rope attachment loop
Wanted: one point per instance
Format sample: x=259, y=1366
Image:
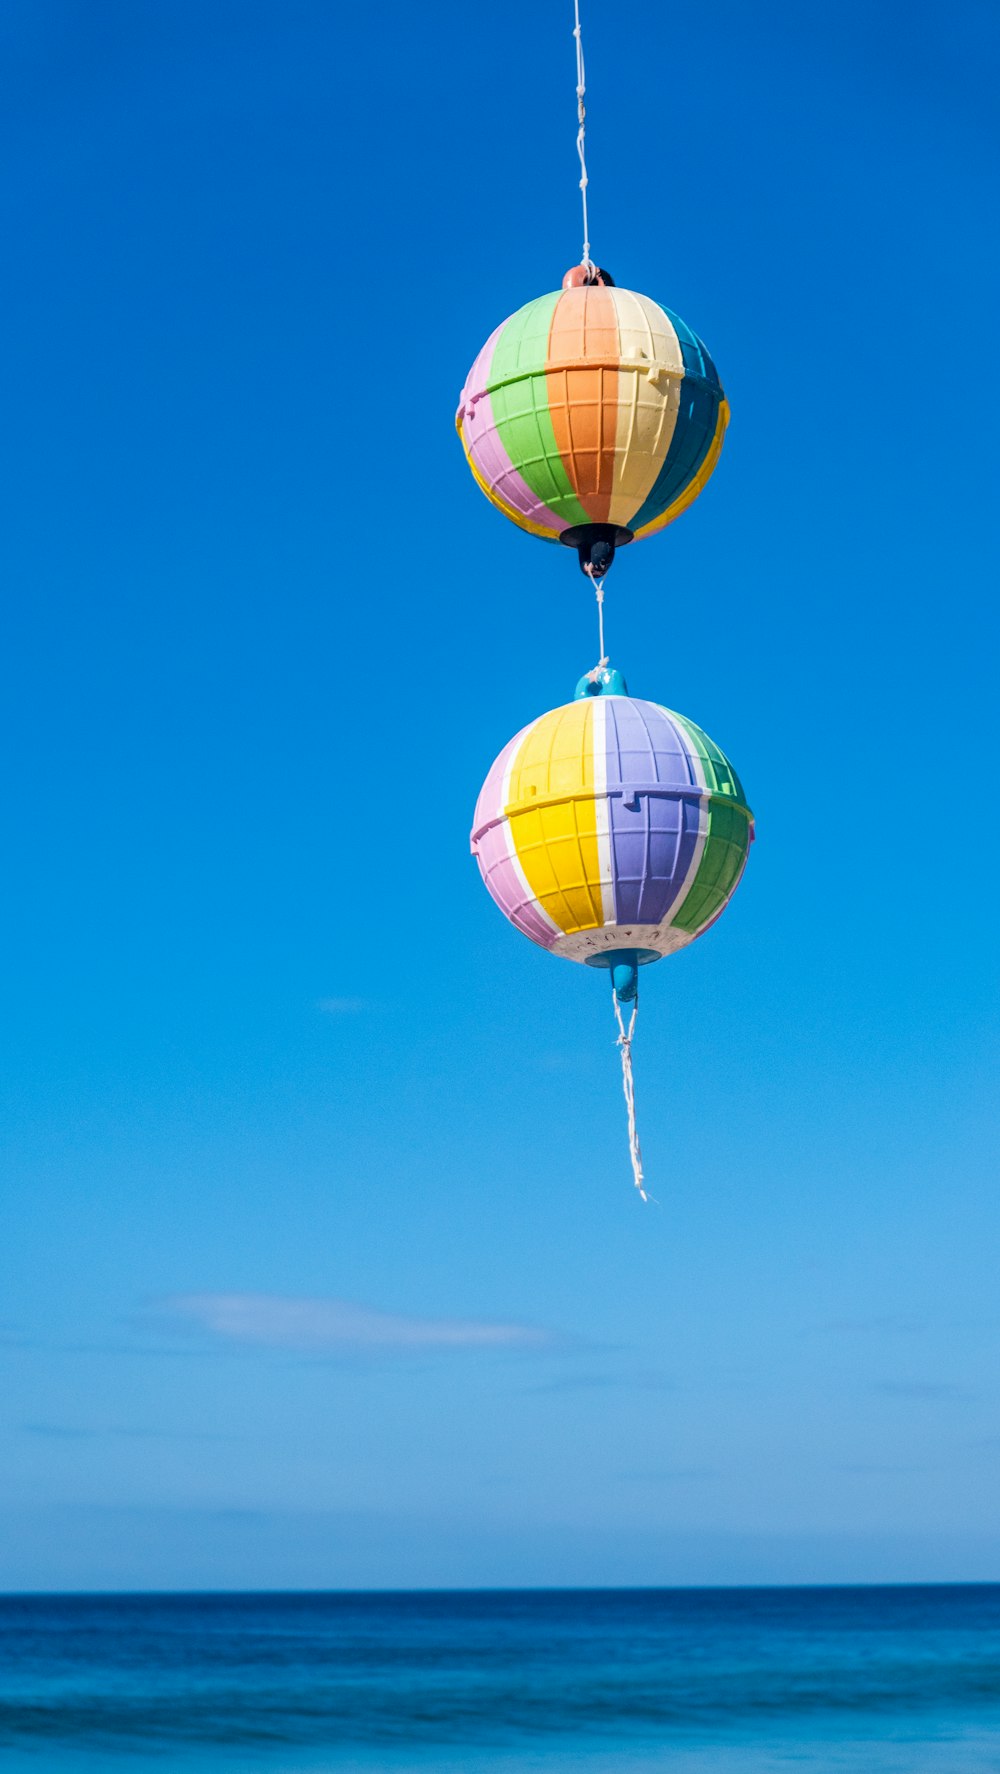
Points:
x=598, y=584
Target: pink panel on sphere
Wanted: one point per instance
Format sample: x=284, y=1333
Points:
x=483, y=442
x=476, y=379
x=500, y=873
x=504, y=884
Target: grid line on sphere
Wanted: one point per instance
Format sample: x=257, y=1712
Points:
x=516, y=906
x=727, y=836
x=602, y=819
x=626, y=444
x=673, y=918
x=647, y=408
x=588, y=767
x=700, y=354
x=640, y=758
x=656, y=333
x=526, y=430
x=652, y=526
x=655, y=754
x=688, y=446
x=694, y=828
x=497, y=856
x=572, y=393
x=587, y=394
x=590, y=887
x=647, y=835
x=478, y=379
x=532, y=908
x=686, y=751
x=521, y=407
x=645, y=803
x=608, y=421
x=584, y=325
x=508, y=482
x=650, y=416
x=551, y=851
x=726, y=846
x=697, y=438
x=692, y=440
x=646, y=855
x=688, y=868
x=582, y=758
x=720, y=775
x=600, y=323
x=548, y=760
x=726, y=839
x=575, y=410
x=696, y=359
x=693, y=396
x=488, y=457
x=516, y=501
x=527, y=332
x=695, y=767
x=678, y=835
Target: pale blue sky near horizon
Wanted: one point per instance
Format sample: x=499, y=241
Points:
x=321, y=1261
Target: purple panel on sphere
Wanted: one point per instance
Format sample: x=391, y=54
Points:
x=652, y=843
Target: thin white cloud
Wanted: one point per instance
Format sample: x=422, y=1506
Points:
x=277, y=1322
x=888, y=1324
x=919, y=1389
x=640, y=1382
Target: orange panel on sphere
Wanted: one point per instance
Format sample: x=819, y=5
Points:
x=583, y=402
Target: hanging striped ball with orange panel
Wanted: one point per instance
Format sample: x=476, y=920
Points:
x=592, y=412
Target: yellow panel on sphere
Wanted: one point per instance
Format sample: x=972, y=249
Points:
x=557, y=812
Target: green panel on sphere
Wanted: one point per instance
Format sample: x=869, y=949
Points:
x=720, y=776
x=518, y=389
x=721, y=863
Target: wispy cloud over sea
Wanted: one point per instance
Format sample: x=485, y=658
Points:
x=279, y=1321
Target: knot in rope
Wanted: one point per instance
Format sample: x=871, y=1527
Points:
x=581, y=135
x=624, y=1043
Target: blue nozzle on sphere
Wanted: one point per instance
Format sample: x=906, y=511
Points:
x=604, y=680
x=623, y=966
x=625, y=981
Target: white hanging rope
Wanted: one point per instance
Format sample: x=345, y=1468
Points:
x=581, y=135
x=625, y=1043
x=598, y=585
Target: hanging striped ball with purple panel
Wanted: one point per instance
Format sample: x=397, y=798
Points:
x=612, y=824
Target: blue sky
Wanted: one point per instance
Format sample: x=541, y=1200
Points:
x=321, y=1259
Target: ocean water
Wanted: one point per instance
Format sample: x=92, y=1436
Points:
x=751, y=1681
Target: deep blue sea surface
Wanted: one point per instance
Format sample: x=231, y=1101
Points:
x=576, y=1682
